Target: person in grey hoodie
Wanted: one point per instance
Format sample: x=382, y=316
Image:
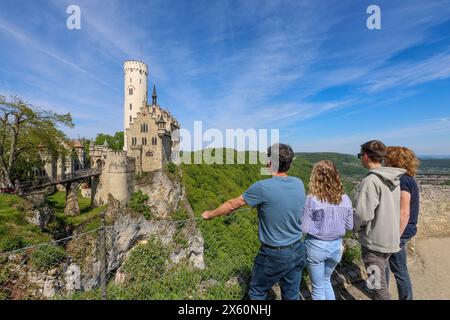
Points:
x=377, y=216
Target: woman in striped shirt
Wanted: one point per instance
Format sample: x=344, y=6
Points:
x=327, y=214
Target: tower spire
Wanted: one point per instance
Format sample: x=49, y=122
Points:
x=154, y=96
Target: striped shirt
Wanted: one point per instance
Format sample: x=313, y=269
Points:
x=327, y=221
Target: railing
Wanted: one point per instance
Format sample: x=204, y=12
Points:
x=59, y=179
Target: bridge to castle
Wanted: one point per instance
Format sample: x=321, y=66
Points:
x=45, y=182
x=69, y=180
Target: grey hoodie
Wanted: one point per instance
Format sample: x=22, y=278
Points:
x=377, y=210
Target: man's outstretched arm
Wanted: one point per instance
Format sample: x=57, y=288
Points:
x=225, y=208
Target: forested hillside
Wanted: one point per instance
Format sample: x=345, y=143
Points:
x=434, y=166
x=348, y=165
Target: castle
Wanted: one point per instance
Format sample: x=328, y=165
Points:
x=148, y=129
x=150, y=141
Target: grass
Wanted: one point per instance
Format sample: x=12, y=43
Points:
x=15, y=231
x=87, y=216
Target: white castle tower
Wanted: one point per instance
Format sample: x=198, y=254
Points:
x=135, y=91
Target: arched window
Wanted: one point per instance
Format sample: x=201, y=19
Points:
x=154, y=141
x=131, y=106
x=149, y=154
x=130, y=91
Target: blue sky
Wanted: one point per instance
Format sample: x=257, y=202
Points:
x=310, y=68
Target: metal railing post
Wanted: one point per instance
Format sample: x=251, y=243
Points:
x=102, y=248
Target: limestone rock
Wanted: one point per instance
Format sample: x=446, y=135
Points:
x=40, y=216
x=73, y=278
x=164, y=194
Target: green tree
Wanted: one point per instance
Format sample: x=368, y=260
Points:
x=114, y=142
x=25, y=132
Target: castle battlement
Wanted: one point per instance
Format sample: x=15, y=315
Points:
x=132, y=65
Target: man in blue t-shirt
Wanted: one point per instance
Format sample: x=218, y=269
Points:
x=279, y=201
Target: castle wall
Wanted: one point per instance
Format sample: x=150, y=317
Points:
x=148, y=156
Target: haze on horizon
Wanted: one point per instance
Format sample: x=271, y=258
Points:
x=311, y=69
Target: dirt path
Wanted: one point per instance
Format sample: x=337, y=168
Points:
x=429, y=270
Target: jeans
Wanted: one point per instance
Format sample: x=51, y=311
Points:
x=283, y=265
x=398, y=266
x=322, y=258
x=376, y=265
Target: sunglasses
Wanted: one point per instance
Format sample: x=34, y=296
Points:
x=359, y=155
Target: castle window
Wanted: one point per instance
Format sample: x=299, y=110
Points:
x=130, y=91
x=140, y=81
x=144, y=141
x=131, y=119
x=144, y=127
x=133, y=141
x=131, y=80
x=149, y=154
x=154, y=110
x=154, y=141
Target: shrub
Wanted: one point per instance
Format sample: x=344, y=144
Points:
x=179, y=238
x=47, y=256
x=147, y=261
x=5, y=275
x=12, y=242
x=172, y=171
x=138, y=204
x=172, y=168
x=352, y=255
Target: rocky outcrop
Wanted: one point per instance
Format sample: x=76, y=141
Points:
x=40, y=216
x=125, y=230
x=164, y=194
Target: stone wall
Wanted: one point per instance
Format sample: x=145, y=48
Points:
x=434, y=217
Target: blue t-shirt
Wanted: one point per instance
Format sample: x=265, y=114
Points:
x=279, y=201
x=408, y=184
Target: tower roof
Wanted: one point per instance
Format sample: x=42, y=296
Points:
x=154, y=91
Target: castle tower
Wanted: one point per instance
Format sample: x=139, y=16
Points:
x=135, y=92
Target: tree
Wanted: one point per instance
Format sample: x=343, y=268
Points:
x=114, y=142
x=25, y=131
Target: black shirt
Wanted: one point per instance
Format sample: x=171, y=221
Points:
x=408, y=184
